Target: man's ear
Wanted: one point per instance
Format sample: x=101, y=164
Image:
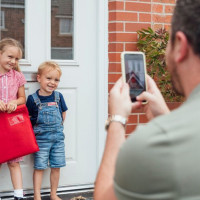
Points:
x=181, y=47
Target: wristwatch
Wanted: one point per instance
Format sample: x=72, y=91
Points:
x=115, y=118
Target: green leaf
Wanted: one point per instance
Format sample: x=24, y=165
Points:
x=153, y=44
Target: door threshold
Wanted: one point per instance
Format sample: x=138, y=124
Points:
x=67, y=194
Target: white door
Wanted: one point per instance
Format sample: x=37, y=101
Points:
x=83, y=82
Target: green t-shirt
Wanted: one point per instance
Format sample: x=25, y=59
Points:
x=161, y=160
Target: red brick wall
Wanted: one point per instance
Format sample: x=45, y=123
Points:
x=13, y=21
x=126, y=17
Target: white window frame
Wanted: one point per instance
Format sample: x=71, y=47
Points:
x=70, y=32
x=75, y=17
x=38, y=36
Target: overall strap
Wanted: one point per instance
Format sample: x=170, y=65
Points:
x=57, y=96
x=57, y=99
x=36, y=99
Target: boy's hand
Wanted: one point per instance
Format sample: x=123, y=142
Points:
x=11, y=106
x=2, y=106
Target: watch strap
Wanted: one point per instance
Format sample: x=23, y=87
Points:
x=115, y=118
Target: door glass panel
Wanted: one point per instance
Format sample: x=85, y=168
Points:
x=62, y=23
x=12, y=19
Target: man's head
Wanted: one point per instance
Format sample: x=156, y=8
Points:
x=184, y=44
x=186, y=18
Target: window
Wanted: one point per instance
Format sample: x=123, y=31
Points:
x=62, y=29
x=66, y=26
x=12, y=19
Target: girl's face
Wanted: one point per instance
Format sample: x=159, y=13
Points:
x=9, y=58
x=49, y=80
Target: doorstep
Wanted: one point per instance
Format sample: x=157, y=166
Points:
x=79, y=195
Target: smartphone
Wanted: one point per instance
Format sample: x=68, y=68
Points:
x=133, y=66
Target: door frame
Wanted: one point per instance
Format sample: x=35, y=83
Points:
x=102, y=85
x=102, y=67
x=102, y=79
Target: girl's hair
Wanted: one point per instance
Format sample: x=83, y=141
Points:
x=13, y=43
x=49, y=65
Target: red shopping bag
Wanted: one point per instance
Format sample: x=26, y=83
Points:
x=16, y=134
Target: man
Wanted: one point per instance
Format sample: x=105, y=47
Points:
x=160, y=161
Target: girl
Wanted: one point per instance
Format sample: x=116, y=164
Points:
x=12, y=94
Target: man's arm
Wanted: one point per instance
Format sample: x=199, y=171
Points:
x=104, y=182
x=119, y=104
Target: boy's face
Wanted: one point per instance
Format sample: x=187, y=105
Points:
x=49, y=80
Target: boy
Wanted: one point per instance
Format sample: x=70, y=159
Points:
x=47, y=110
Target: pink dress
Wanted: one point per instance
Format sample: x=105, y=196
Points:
x=9, y=85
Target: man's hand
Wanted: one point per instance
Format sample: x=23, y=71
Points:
x=120, y=101
x=156, y=104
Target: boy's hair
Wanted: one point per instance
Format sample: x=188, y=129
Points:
x=12, y=43
x=186, y=18
x=50, y=65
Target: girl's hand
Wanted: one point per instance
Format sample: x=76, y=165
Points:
x=11, y=106
x=2, y=106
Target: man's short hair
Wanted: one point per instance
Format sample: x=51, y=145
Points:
x=186, y=18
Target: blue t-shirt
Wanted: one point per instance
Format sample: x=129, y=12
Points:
x=33, y=109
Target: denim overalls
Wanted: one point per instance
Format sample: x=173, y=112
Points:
x=49, y=134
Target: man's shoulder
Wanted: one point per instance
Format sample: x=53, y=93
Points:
x=181, y=119
x=162, y=150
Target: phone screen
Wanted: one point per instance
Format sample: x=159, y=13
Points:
x=135, y=74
